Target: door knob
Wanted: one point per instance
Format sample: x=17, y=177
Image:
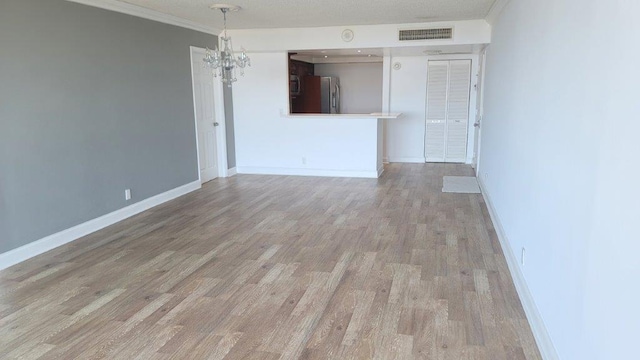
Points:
x=215, y=124
x=476, y=124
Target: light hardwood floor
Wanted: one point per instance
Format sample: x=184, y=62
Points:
x=270, y=267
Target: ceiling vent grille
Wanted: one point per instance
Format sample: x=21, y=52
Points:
x=426, y=34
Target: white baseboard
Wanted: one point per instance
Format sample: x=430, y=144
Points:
x=50, y=242
x=306, y=172
x=381, y=170
x=385, y=160
x=539, y=329
x=408, y=160
x=231, y=172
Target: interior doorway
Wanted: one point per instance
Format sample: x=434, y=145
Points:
x=208, y=102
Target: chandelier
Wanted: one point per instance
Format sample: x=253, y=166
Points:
x=224, y=63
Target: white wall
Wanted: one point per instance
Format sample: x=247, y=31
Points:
x=560, y=165
x=269, y=142
x=404, y=137
x=360, y=83
x=408, y=95
x=467, y=32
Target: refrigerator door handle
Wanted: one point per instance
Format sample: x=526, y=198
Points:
x=337, y=105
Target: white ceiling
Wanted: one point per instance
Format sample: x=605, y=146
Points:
x=257, y=14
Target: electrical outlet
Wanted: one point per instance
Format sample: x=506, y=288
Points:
x=304, y=160
x=522, y=256
x=127, y=194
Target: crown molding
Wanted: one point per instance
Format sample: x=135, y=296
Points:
x=496, y=10
x=141, y=12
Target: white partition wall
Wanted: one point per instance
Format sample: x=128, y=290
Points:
x=269, y=141
x=408, y=91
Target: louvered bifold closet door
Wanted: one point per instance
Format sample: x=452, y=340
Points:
x=448, y=90
x=458, y=110
x=437, y=85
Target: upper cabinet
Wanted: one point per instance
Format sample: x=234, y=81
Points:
x=297, y=72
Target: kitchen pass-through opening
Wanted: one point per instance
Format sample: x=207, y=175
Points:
x=347, y=81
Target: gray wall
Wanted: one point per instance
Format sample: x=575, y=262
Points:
x=361, y=85
x=92, y=102
x=231, y=139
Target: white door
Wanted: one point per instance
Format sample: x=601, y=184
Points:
x=203, y=92
x=437, y=84
x=448, y=91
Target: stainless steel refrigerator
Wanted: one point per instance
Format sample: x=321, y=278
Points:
x=321, y=95
x=330, y=95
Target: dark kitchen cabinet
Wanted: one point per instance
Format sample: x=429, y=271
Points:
x=298, y=70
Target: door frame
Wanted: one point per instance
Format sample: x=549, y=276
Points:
x=219, y=117
x=472, y=99
x=479, y=118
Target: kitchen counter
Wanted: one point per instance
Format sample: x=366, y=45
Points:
x=349, y=145
x=347, y=116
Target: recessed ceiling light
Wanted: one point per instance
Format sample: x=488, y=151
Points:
x=325, y=56
x=359, y=51
x=369, y=55
x=323, y=51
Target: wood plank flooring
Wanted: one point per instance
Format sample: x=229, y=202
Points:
x=271, y=267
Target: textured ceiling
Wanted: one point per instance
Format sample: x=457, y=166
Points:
x=310, y=13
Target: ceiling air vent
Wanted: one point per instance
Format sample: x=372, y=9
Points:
x=426, y=34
